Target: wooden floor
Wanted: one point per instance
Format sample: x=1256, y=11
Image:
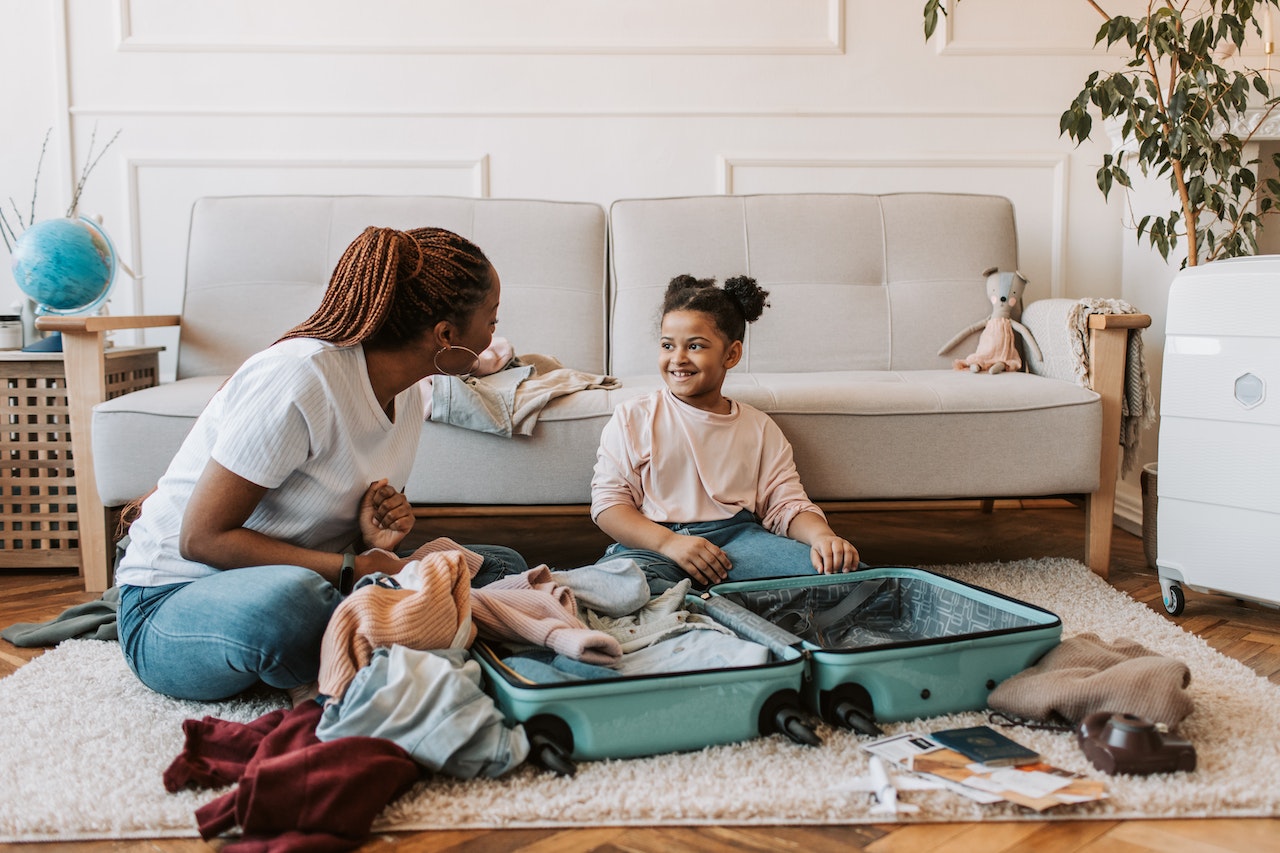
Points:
x=886, y=536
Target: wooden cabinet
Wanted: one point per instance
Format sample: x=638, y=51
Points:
x=39, y=524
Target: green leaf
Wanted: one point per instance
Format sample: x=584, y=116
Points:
x=931, y=9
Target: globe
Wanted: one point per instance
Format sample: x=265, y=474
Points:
x=66, y=266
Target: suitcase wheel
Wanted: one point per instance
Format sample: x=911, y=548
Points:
x=849, y=706
x=781, y=713
x=551, y=744
x=1174, y=600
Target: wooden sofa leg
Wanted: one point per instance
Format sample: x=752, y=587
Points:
x=85, y=366
x=1099, y=510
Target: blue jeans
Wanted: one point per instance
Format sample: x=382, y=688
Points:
x=499, y=561
x=754, y=552
x=217, y=636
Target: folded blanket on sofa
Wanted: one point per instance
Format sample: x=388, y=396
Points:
x=509, y=401
x=1138, y=408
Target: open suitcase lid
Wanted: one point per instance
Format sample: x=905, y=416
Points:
x=879, y=608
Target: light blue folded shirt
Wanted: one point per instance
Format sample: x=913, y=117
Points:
x=430, y=704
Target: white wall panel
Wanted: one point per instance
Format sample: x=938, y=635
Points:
x=516, y=26
x=1032, y=28
x=996, y=27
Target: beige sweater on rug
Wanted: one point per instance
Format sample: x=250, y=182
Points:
x=1084, y=675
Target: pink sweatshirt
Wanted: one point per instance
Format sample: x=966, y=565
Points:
x=676, y=463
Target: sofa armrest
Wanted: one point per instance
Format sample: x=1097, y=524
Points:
x=84, y=360
x=1104, y=340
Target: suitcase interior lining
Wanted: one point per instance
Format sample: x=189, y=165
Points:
x=877, y=612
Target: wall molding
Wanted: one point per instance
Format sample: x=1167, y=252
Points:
x=62, y=92
x=946, y=43
x=1128, y=509
x=1058, y=167
x=821, y=32
x=348, y=112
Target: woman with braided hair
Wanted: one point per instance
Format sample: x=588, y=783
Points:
x=692, y=484
x=289, y=482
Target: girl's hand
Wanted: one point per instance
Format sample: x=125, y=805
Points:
x=385, y=516
x=831, y=555
x=700, y=560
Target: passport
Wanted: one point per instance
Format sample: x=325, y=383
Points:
x=986, y=746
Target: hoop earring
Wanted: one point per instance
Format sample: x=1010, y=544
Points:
x=471, y=364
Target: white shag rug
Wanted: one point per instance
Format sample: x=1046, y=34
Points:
x=83, y=745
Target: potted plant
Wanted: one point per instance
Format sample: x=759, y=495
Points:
x=1187, y=110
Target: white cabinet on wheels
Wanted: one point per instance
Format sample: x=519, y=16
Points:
x=1218, y=523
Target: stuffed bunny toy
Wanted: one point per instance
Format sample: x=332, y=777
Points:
x=997, y=346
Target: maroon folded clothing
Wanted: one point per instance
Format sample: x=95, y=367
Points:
x=294, y=793
x=216, y=751
x=321, y=796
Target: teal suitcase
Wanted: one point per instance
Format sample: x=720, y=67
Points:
x=890, y=643
x=641, y=715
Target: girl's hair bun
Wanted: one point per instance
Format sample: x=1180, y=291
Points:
x=749, y=295
x=733, y=306
x=688, y=282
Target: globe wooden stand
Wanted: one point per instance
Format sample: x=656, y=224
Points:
x=41, y=520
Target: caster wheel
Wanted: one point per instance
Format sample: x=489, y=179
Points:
x=1175, y=600
x=781, y=714
x=793, y=724
x=545, y=752
x=856, y=719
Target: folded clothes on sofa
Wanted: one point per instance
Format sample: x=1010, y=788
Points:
x=509, y=401
x=1138, y=409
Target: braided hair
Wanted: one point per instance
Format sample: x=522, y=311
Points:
x=732, y=307
x=390, y=286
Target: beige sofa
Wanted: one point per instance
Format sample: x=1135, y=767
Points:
x=864, y=291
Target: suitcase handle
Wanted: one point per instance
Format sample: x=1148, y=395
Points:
x=752, y=626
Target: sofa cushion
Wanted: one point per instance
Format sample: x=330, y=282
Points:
x=856, y=434
x=257, y=265
x=136, y=435
x=856, y=282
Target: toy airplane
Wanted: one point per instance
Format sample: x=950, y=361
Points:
x=885, y=787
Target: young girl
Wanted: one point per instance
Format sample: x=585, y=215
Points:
x=693, y=484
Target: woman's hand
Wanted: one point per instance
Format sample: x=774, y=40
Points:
x=385, y=516
x=700, y=559
x=831, y=555
x=376, y=560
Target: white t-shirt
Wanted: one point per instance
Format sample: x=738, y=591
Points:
x=300, y=419
x=677, y=463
